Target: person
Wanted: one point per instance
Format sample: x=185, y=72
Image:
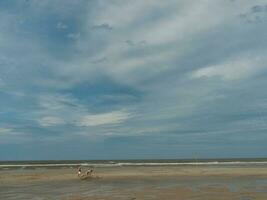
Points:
x=89, y=172
x=79, y=171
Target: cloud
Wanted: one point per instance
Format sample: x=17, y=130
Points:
x=102, y=27
x=50, y=121
x=119, y=14
x=132, y=43
x=61, y=25
x=255, y=13
x=74, y=36
x=114, y=117
x=259, y=8
x=82, y=68
x=4, y=130
x=234, y=69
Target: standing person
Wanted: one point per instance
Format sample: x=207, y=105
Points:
x=79, y=171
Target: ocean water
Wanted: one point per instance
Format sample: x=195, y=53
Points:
x=118, y=163
x=24, y=180
x=128, y=188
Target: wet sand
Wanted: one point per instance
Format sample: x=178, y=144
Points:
x=133, y=183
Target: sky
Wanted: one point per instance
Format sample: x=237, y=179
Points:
x=116, y=79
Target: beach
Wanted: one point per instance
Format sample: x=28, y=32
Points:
x=136, y=182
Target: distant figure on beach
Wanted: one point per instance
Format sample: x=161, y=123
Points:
x=87, y=175
x=79, y=171
x=89, y=172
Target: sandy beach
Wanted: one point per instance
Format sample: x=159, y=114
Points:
x=155, y=182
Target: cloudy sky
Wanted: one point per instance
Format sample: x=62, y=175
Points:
x=116, y=79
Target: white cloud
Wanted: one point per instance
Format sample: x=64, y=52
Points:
x=235, y=69
x=183, y=23
x=122, y=13
x=114, y=117
x=57, y=102
x=4, y=130
x=177, y=26
x=61, y=25
x=50, y=121
x=74, y=36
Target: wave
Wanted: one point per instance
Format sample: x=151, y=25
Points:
x=121, y=164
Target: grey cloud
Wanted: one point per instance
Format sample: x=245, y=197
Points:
x=102, y=27
x=259, y=8
x=132, y=43
x=256, y=14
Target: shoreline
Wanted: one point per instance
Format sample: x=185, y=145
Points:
x=127, y=163
x=137, y=183
x=133, y=171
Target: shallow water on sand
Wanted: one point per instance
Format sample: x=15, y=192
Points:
x=134, y=183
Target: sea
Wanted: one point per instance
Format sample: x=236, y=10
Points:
x=33, y=180
x=30, y=164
